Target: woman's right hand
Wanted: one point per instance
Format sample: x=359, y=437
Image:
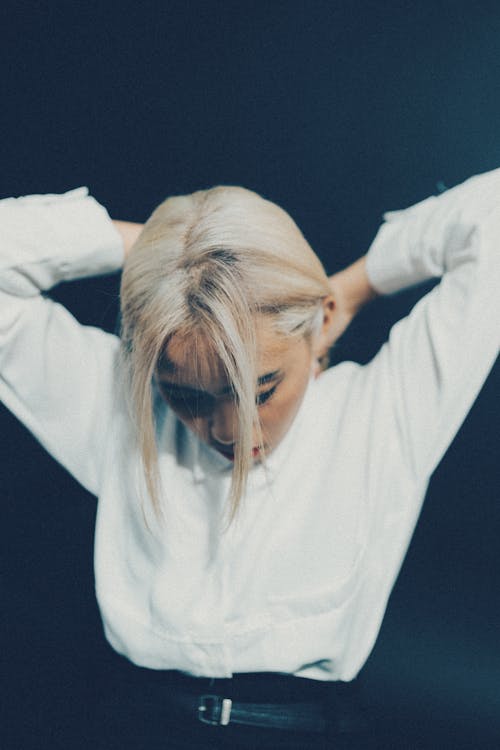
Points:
x=129, y=232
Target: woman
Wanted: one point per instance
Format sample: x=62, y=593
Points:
x=254, y=507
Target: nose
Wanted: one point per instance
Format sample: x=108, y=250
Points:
x=223, y=422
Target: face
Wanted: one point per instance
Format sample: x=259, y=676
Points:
x=196, y=388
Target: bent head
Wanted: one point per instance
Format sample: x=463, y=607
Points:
x=227, y=308
x=200, y=392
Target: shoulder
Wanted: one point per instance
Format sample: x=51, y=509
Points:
x=334, y=386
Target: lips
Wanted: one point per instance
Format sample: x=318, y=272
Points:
x=230, y=454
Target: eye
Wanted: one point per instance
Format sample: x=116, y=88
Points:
x=263, y=397
x=188, y=404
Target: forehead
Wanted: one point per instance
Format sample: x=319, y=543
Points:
x=189, y=359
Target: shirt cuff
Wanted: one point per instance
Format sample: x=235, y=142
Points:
x=95, y=246
x=390, y=263
x=53, y=238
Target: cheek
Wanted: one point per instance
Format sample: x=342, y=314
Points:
x=276, y=420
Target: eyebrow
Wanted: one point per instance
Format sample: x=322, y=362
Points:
x=261, y=380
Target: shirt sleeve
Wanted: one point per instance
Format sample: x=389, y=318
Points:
x=438, y=357
x=56, y=375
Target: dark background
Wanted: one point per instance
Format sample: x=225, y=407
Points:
x=337, y=111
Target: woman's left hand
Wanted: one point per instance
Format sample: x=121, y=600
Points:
x=351, y=289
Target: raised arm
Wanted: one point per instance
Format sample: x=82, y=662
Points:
x=57, y=376
x=438, y=357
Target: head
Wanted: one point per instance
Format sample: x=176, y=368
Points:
x=227, y=309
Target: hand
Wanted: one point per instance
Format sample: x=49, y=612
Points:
x=351, y=289
x=344, y=311
x=129, y=232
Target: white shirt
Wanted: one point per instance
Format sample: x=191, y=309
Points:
x=299, y=584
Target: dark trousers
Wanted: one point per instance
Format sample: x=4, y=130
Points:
x=134, y=710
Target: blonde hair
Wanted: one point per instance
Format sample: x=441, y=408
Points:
x=206, y=264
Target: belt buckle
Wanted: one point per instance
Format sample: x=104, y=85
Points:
x=214, y=710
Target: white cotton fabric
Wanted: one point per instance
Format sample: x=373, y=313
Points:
x=299, y=584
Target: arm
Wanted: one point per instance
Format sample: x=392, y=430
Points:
x=56, y=375
x=437, y=358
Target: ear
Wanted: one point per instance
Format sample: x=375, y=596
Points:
x=327, y=335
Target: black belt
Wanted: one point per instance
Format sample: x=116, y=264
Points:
x=286, y=702
x=220, y=711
